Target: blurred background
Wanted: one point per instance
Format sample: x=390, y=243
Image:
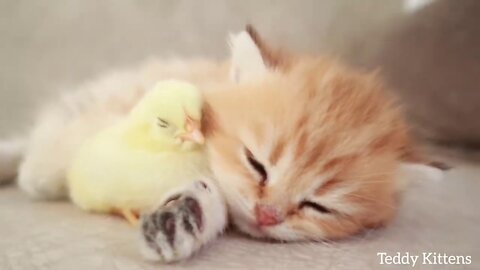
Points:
x=429, y=56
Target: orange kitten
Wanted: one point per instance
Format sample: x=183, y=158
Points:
x=309, y=151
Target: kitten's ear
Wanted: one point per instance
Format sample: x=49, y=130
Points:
x=251, y=56
x=247, y=62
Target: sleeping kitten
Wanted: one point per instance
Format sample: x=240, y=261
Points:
x=301, y=148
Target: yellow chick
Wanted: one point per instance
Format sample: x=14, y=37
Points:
x=129, y=166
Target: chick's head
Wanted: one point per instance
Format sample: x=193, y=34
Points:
x=170, y=115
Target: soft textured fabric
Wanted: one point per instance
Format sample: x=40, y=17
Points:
x=436, y=216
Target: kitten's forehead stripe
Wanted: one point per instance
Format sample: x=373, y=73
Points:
x=337, y=162
x=327, y=187
x=302, y=122
x=277, y=151
x=301, y=144
x=315, y=155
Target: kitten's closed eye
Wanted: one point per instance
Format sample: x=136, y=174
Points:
x=257, y=166
x=315, y=206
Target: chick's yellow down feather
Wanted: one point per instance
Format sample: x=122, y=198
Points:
x=132, y=164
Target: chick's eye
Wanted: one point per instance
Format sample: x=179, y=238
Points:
x=256, y=165
x=315, y=206
x=162, y=123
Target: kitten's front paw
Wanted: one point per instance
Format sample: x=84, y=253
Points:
x=183, y=223
x=173, y=231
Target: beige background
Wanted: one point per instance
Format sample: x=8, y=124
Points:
x=47, y=46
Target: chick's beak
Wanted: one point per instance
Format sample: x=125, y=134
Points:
x=193, y=131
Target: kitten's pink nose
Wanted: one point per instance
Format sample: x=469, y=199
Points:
x=267, y=215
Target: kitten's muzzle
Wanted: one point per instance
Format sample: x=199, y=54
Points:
x=267, y=215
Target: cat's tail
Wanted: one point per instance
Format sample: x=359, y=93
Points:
x=11, y=153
